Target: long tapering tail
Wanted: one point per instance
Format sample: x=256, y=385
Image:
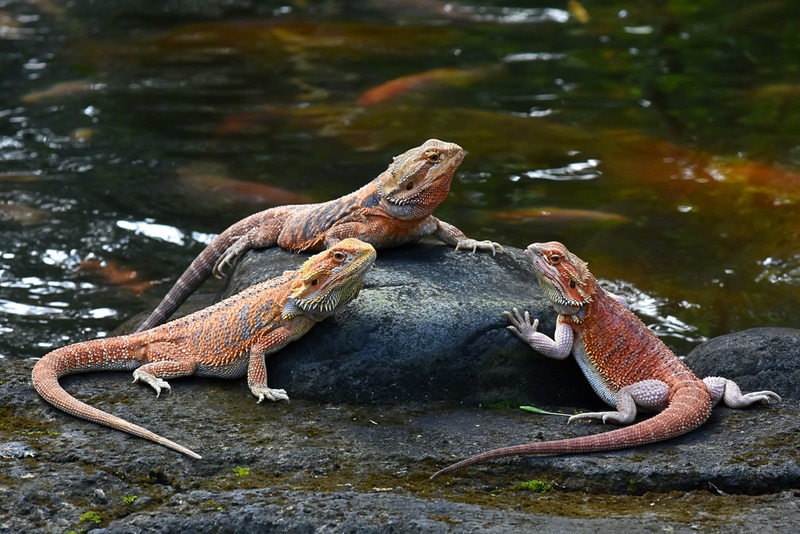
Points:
x=690, y=408
x=52, y=366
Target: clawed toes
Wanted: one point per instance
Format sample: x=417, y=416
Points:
x=270, y=394
x=765, y=397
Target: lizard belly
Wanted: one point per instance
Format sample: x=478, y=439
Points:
x=234, y=369
x=600, y=384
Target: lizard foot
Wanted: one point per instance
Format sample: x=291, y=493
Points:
x=475, y=245
x=230, y=257
x=153, y=381
x=731, y=395
x=604, y=417
x=649, y=395
x=269, y=394
x=521, y=325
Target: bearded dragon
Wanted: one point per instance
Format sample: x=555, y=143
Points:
x=627, y=365
x=227, y=340
x=393, y=209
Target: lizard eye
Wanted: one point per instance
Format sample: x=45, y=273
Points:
x=572, y=284
x=409, y=186
x=433, y=156
x=314, y=281
x=339, y=256
x=555, y=259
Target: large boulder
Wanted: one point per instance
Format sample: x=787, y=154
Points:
x=759, y=358
x=427, y=326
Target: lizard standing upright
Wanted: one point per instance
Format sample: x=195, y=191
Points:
x=227, y=340
x=393, y=209
x=627, y=365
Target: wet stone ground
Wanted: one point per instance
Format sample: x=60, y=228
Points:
x=305, y=465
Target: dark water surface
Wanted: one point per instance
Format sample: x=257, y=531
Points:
x=658, y=140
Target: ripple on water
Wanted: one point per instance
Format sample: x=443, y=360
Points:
x=780, y=270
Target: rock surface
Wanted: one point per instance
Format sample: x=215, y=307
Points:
x=755, y=358
x=353, y=453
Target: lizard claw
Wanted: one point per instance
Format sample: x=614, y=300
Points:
x=731, y=395
x=270, y=394
x=766, y=397
x=230, y=256
x=603, y=417
x=223, y=263
x=521, y=322
x=153, y=381
x=475, y=245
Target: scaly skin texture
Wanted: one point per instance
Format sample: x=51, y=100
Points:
x=393, y=209
x=628, y=366
x=227, y=340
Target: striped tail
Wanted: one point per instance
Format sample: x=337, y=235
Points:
x=690, y=408
x=54, y=365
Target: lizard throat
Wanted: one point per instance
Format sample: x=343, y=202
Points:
x=337, y=292
x=420, y=203
x=561, y=303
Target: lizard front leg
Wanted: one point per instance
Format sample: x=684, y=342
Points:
x=170, y=363
x=257, y=377
x=451, y=235
x=557, y=349
x=650, y=395
x=728, y=391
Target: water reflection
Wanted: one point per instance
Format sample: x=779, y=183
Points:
x=580, y=170
x=505, y=15
x=18, y=308
x=656, y=312
x=780, y=271
x=152, y=230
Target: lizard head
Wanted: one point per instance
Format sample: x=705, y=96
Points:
x=565, y=278
x=418, y=180
x=331, y=279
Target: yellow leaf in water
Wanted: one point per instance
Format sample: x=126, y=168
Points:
x=559, y=215
x=578, y=11
x=62, y=90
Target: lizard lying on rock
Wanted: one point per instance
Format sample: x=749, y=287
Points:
x=626, y=364
x=393, y=209
x=227, y=340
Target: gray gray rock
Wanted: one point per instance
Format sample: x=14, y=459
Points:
x=759, y=358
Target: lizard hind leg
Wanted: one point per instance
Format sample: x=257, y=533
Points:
x=264, y=234
x=649, y=395
x=728, y=391
x=170, y=363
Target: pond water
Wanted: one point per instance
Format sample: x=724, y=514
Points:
x=658, y=140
